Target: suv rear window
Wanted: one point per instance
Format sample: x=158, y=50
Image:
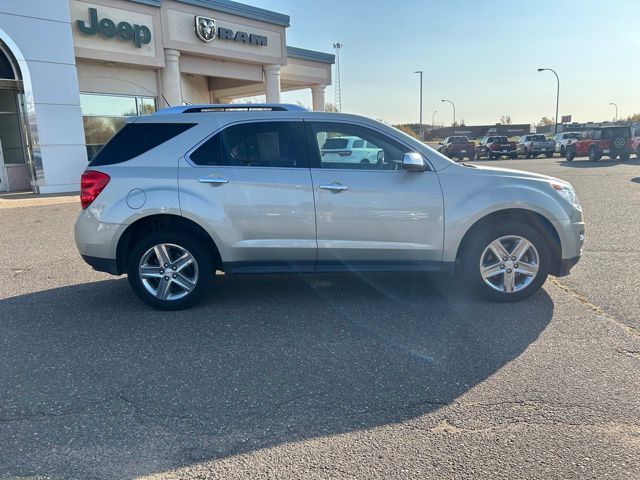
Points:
x=498, y=139
x=616, y=132
x=538, y=138
x=135, y=139
x=335, y=144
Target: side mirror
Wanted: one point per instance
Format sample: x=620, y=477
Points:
x=440, y=143
x=413, y=162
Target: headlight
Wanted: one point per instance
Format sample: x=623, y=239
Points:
x=567, y=192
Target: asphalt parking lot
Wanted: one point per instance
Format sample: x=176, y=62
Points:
x=327, y=376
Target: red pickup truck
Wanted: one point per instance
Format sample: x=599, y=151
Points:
x=610, y=141
x=457, y=147
x=495, y=147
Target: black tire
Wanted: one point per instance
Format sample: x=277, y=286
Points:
x=203, y=261
x=638, y=153
x=527, y=153
x=624, y=157
x=480, y=240
x=365, y=161
x=562, y=150
x=549, y=154
x=594, y=156
x=513, y=156
x=570, y=154
x=613, y=156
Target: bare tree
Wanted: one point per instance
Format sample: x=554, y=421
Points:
x=505, y=119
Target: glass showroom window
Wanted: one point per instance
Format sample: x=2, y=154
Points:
x=104, y=115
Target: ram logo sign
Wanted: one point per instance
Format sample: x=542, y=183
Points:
x=206, y=30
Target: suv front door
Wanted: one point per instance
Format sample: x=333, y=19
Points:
x=251, y=187
x=375, y=215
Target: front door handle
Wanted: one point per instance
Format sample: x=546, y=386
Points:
x=335, y=187
x=214, y=180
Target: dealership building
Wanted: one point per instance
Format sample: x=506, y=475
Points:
x=71, y=71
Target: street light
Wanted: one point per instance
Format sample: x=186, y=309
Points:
x=557, y=92
x=421, y=130
x=454, y=109
x=615, y=105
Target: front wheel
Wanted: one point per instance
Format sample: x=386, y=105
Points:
x=506, y=263
x=170, y=270
x=570, y=154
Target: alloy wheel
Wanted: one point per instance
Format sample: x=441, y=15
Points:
x=168, y=271
x=509, y=264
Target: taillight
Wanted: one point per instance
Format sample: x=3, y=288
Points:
x=91, y=184
x=346, y=153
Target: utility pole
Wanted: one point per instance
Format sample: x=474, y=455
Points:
x=615, y=105
x=338, y=87
x=421, y=129
x=454, y=110
x=557, y=92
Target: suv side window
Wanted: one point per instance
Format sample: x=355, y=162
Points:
x=256, y=144
x=597, y=134
x=382, y=152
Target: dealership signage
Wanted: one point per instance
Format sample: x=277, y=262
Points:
x=107, y=28
x=207, y=30
x=565, y=119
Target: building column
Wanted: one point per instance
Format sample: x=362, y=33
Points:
x=272, y=83
x=171, y=90
x=317, y=96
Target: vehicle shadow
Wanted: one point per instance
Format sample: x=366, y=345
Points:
x=97, y=385
x=605, y=162
x=636, y=180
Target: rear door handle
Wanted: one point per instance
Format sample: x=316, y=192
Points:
x=214, y=180
x=335, y=187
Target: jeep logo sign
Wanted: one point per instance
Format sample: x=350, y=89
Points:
x=107, y=28
x=206, y=31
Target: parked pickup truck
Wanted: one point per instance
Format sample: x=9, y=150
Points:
x=495, y=147
x=458, y=147
x=530, y=146
x=611, y=141
x=563, y=139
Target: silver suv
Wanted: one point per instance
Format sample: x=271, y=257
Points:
x=177, y=195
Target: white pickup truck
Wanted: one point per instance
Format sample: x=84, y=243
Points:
x=350, y=150
x=530, y=146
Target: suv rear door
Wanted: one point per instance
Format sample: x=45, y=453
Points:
x=376, y=215
x=250, y=186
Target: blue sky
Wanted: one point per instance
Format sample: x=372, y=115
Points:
x=483, y=55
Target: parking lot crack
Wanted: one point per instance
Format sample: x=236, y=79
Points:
x=599, y=311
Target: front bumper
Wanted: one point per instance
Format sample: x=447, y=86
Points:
x=566, y=264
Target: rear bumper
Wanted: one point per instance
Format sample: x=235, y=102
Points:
x=108, y=265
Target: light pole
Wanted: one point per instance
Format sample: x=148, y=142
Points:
x=433, y=120
x=615, y=105
x=421, y=130
x=557, y=92
x=454, y=109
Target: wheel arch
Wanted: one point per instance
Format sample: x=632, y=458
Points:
x=529, y=217
x=157, y=222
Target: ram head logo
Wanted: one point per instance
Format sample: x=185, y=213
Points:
x=205, y=28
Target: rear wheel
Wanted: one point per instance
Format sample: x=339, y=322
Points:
x=624, y=157
x=562, y=150
x=170, y=270
x=513, y=156
x=638, y=152
x=594, y=156
x=527, y=153
x=365, y=161
x=506, y=264
x=549, y=154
